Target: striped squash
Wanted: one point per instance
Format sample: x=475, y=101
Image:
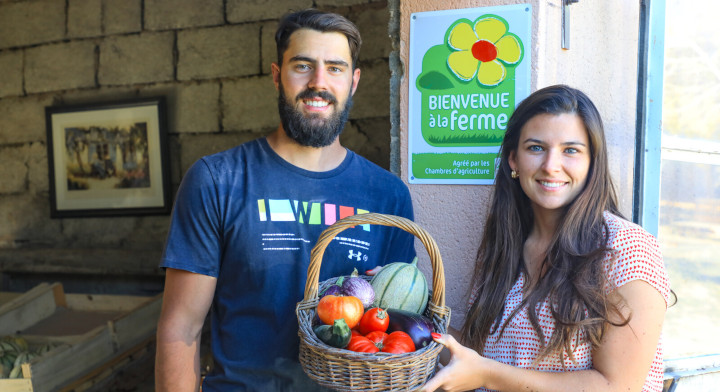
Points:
x=401, y=286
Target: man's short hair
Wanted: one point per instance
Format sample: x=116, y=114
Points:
x=321, y=21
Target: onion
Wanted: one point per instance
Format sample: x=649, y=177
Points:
x=360, y=288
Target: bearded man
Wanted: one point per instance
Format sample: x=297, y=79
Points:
x=246, y=219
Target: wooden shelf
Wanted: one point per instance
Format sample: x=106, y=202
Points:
x=81, y=261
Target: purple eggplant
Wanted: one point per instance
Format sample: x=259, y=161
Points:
x=416, y=325
x=334, y=289
x=360, y=288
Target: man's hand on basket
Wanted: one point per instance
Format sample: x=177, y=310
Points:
x=462, y=373
x=373, y=271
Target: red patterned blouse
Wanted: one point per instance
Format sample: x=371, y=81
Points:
x=637, y=257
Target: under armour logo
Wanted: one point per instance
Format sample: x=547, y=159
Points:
x=357, y=255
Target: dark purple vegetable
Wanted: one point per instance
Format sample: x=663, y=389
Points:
x=360, y=288
x=416, y=325
x=334, y=289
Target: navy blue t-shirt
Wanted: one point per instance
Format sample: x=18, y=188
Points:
x=250, y=219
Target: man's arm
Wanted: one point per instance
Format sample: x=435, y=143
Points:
x=186, y=302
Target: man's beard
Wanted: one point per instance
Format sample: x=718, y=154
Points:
x=312, y=131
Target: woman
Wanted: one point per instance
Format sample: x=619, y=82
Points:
x=568, y=295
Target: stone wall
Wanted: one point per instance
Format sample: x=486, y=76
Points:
x=209, y=58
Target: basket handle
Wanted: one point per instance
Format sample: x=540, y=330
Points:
x=313, y=272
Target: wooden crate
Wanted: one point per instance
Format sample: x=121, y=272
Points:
x=89, y=331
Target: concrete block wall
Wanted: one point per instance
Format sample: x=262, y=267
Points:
x=209, y=58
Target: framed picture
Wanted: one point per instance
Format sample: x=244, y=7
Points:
x=108, y=159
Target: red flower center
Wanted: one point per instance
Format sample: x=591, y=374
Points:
x=484, y=51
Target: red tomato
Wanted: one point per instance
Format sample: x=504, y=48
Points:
x=362, y=344
x=377, y=337
x=375, y=319
x=331, y=308
x=398, y=342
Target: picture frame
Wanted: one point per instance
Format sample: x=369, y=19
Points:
x=108, y=159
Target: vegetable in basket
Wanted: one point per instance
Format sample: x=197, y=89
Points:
x=359, y=287
x=374, y=319
x=353, y=285
x=401, y=286
x=361, y=344
x=377, y=337
x=397, y=342
x=335, y=288
x=333, y=307
x=416, y=325
x=336, y=335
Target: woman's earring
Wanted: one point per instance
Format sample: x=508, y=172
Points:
x=514, y=174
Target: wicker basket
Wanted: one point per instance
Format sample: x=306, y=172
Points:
x=346, y=370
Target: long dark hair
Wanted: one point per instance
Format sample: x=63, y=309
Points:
x=320, y=21
x=573, y=278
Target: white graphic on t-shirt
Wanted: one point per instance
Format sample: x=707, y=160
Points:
x=283, y=237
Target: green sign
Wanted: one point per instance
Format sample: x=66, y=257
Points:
x=472, y=74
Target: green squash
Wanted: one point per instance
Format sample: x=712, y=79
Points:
x=336, y=335
x=401, y=286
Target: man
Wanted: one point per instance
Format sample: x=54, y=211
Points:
x=246, y=219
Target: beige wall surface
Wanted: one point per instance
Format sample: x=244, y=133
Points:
x=602, y=61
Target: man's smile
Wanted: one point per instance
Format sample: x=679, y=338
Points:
x=316, y=103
